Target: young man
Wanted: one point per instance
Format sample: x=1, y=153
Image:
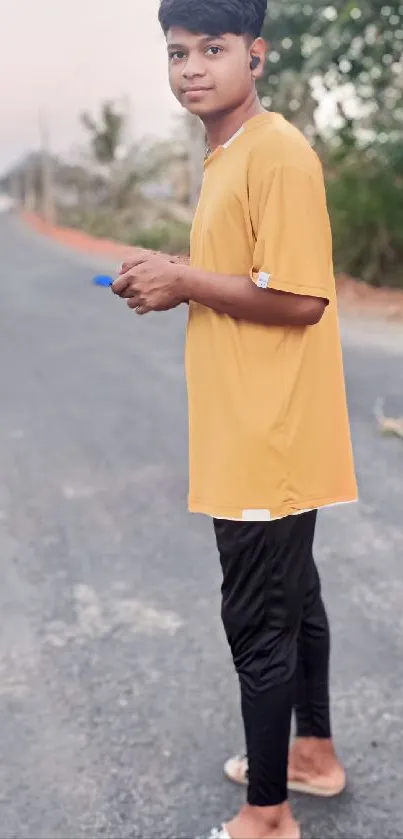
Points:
x=269, y=432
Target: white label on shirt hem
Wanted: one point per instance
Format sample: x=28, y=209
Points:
x=256, y=515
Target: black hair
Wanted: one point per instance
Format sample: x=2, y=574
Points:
x=214, y=17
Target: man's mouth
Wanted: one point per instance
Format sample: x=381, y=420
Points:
x=190, y=91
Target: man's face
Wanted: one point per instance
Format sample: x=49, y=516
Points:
x=208, y=75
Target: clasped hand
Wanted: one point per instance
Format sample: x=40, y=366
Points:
x=150, y=283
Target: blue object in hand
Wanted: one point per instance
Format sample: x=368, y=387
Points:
x=103, y=280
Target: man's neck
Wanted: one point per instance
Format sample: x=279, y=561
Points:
x=221, y=128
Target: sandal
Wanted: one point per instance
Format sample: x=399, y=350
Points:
x=236, y=770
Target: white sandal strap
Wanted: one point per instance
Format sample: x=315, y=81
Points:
x=219, y=833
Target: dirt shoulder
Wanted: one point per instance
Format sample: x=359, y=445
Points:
x=354, y=296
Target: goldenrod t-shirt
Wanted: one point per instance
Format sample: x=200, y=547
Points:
x=268, y=423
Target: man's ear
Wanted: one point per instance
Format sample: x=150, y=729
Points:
x=258, y=57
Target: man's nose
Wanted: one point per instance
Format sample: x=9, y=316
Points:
x=194, y=67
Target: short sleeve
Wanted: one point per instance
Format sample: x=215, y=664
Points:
x=293, y=249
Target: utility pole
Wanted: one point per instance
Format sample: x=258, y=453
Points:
x=15, y=188
x=47, y=183
x=29, y=187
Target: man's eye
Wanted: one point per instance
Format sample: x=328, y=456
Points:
x=214, y=50
x=176, y=56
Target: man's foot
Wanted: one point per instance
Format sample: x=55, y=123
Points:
x=313, y=769
x=263, y=823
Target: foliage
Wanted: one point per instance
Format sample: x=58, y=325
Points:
x=366, y=198
x=172, y=238
x=132, y=184
x=351, y=52
x=349, y=48
x=106, y=134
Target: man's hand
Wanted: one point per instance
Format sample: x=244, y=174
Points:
x=150, y=283
x=145, y=252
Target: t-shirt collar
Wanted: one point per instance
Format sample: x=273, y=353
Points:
x=251, y=123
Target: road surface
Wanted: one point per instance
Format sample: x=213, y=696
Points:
x=118, y=704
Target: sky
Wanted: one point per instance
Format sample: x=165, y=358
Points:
x=60, y=57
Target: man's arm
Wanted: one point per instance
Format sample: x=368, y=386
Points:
x=152, y=283
x=241, y=299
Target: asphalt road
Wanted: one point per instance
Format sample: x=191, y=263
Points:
x=118, y=704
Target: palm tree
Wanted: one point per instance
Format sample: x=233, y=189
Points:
x=107, y=134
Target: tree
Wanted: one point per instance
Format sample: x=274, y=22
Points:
x=351, y=49
x=107, y=134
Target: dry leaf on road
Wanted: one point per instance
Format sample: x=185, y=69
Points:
x=388, y=425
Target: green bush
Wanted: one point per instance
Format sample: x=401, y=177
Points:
x=95, y=221
x=172, y=238
x=169, y=237
x=365, y=194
